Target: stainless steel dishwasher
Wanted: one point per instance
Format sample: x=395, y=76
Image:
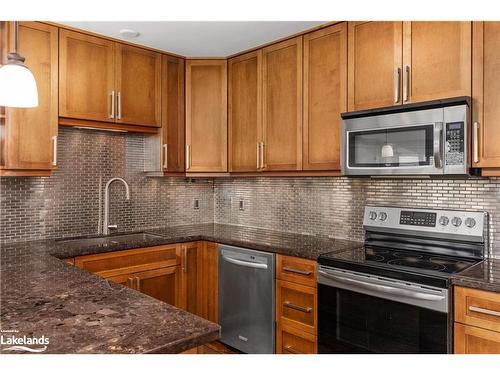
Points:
x=246, y=299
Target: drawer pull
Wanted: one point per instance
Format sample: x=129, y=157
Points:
x=296, y=307
x=290, y=349
x=294, y=270
x=484, y=311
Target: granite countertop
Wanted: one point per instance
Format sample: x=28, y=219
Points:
x=83, y=313
x=485, y=276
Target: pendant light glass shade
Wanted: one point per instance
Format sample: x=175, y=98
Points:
x=17, y=83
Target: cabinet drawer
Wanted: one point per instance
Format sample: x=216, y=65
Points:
x=477, y=308
x=296, y=306
x=296, y=270
x=473, y=340
x=135, y=260
x=294, y=341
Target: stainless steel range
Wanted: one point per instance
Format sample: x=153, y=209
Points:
x=392, y=294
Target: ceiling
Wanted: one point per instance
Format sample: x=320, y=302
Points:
x=200, y=39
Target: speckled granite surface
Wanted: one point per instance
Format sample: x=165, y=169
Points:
x=485, y=276
x=304, y=246
x=82, y=313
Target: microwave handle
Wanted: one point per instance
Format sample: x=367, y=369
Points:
x=438, y=145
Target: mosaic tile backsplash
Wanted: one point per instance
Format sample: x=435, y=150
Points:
x=67, y=204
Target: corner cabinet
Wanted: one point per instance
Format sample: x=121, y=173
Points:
x=206, y=116
x=393, y=63
x=28, y=136
x=92, y=84
x=282, y=106
x=485, y=97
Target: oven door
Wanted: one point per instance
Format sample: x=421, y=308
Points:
x=396, y=144
x=354, y=316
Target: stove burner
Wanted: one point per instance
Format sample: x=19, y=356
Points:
x=458, y=264
x=374, y=257
x=417, y=263
x=399, y=254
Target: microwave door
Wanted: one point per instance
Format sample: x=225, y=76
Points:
x=397, y=150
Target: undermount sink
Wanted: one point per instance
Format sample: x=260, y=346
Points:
x=110, y=240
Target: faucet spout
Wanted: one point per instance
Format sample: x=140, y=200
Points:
x=106, y=225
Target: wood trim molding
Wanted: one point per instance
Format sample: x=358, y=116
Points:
x=109, y=126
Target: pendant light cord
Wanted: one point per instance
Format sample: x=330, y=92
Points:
x=16, y=36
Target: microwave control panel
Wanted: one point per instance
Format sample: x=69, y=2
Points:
x=455, y=143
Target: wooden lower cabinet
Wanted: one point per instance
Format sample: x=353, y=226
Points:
x=296, y=306
x=161, y=283
x=477, y=321
x=294, y=341
x=474, y=340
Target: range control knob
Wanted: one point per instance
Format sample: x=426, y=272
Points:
x=382, y=216
x=470, y=222
x=372, y=215
x=456, y=221
x=443, y=220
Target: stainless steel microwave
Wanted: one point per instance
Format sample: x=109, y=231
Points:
x=430, y=138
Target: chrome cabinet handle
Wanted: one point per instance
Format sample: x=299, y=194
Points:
x=484, y=311
x=244, y=263
x=397, y=82
x=137, y=283
x=406, y=86
x=262, y=156
x=188, y=156
x=184, y=259
x=165, y=156
x=130, y=283
x=258, y=155
x=294, y=270
x=290, y=349
x=475, y=144
x=290, y=305
x=112, y=114
x=383, y=288
x=54, y=150
x=119, y=100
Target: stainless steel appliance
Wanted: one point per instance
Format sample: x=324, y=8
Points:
x=392, y=294
x=247, y=299
x=430, y=138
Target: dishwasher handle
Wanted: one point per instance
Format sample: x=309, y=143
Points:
x=245, y=263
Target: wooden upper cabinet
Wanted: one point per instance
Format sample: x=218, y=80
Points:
x=375, y=58
x=436, y=60
x=325, y=96
x=29, y=135
x=486, y=92
x=172, y=110
x=245, y=112
x=86, y=77
x=282, y=105
x=138, y=86
x=206, y=116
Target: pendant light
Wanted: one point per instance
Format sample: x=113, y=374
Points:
x=17, y=83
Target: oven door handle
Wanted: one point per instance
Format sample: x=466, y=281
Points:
x=383, y=288
x=438, y=145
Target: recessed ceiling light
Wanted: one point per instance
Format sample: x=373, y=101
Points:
x=129, y=33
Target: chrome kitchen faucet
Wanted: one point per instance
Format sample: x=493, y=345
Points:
x=106, y=226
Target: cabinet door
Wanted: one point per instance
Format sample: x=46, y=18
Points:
x=86, y=77
x=325, y=96
x=208, y=281
x=296, y=306
x=125, y=279
x=473, y=340
x=282, y=105
x=188, y=297
x=375, y=52
x=161, y=283
x=172, y=110
x=206, y=116
x=245, y=112
x=28, y=142
x=294, y=341
x=138, y=85
x=436, y=60
x=486, y=94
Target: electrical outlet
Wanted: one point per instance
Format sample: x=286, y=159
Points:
x=196, y=204
x=241, y=205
